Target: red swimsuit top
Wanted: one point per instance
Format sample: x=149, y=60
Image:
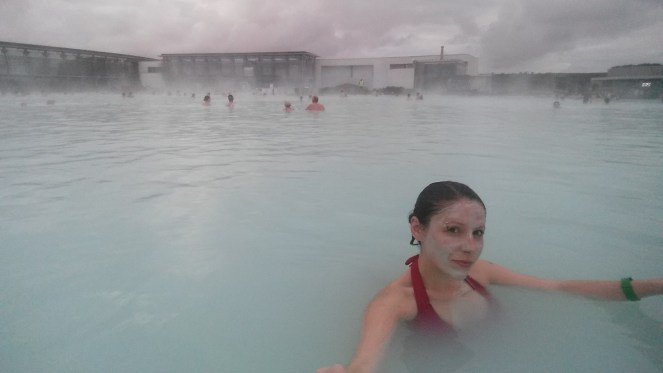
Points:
x=427, y=318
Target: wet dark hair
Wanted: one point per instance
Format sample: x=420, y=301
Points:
x=438, y=196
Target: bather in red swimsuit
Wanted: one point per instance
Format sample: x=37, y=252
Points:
x=427, y=318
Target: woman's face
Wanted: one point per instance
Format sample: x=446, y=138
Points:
x=453, y=238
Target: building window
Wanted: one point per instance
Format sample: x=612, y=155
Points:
x=395, y=66
x=154, y=69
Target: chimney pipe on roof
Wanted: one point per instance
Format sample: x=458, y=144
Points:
x=441, y=53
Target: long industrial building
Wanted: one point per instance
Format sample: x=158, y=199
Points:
x=431, y=72
x=631, y=81
x=25, y=67
x=287, y=71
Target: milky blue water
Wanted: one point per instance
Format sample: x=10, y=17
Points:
x=154, y=234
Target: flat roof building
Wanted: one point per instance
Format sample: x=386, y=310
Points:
x=232, y=71
x=631, y=81
x=429, y=72
x=24, y=67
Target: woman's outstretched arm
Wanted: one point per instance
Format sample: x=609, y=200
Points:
x=380, y=320
x=624, y=289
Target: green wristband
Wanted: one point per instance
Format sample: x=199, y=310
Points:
x=627, y=288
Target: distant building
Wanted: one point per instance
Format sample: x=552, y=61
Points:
x=26, y=67
x=631, y=81
x=286, y=71
x=561, y=84
x=431, y=72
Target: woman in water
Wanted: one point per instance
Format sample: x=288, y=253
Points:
x=444, y=288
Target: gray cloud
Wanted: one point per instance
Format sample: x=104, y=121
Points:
x=506, y=35
x=527, y=32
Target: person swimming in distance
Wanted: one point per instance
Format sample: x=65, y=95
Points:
x=207, y=100
x=445, y=288
x=556, y=104
x=287, y=107
x=231, y=101
x=314, y=105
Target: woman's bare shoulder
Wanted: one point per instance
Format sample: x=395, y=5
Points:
x=398, y=296
x=481, y=271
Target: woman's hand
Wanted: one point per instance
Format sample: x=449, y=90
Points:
x=337, y=368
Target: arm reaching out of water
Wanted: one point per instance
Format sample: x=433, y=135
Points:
x=382, y=314
x=597, y=289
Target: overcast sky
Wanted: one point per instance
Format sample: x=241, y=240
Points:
x=506, y=35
